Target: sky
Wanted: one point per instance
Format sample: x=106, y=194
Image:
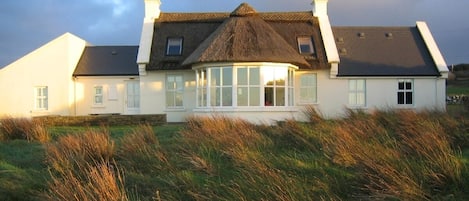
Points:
x=28, y=24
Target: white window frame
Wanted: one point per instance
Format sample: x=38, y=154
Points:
x=176, y=89
x=305, y=41
x=405, y=92
x=314, y=88
x=174, y=42
x=41, y=98
x=206, y=88
x=98, y=98
x=357, y=93
x=250, y=86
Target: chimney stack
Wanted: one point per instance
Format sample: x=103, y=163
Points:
x=152, y=9
x=320, y=8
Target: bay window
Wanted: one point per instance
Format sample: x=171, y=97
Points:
x=245, y=86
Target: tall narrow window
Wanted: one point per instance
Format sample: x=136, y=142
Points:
x=174, y=47
x=202, y=88
x=174, y=91
x=405, y=92
x=305, y=45
x=276, y=86
x=357, y=93
x=41, y=98
x=249, y=88
x=221, y=87
x=308, y=88
x=98, y=95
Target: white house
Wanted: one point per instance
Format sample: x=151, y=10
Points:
x=260, y=66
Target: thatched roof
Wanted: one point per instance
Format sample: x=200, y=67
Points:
x=245, y=37
x=251, y=36
x=383, y=51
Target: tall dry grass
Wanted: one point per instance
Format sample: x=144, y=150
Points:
x=23, y=129
x=398, y=154
x=141, y=146
x=83, y=168
x=71, y=151
x=97, y=181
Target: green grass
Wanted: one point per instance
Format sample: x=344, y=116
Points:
x=223, y=159
x=459, y=87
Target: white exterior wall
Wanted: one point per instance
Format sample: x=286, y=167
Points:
x=381, y=93
x=51, y=65
x=114, y=95
x=153, y=94
x=332, y=95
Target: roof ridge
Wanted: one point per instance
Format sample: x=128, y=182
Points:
x=244, y=10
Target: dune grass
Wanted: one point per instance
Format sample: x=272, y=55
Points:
x=385, y=155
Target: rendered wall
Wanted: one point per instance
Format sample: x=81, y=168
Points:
x=51, y=65
x=114, y=95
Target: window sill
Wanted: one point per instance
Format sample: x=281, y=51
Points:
x=248, y=109
x=306, y=104
x=40, y=112
x=175, y=110
x=98, y=107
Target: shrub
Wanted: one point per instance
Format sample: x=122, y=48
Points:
x=23, y=129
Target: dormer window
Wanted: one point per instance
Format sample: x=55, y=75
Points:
x=174, y=47
x=305, y=45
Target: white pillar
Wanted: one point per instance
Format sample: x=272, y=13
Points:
x=152, y=12
x=320, y=7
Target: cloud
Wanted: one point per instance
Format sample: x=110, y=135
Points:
x=119, y=7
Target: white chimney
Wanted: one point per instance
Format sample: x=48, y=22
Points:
x=152, y=9
x=320, y=7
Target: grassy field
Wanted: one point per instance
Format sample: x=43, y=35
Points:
x=387, y=155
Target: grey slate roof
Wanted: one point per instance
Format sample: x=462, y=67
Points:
x=383, y=51
x=202, y=33
x=108, y=61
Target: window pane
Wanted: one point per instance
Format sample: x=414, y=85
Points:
x=408, y=98
x=242, y=76
x=352, y=97
x=352, y=85
x=268, y=74
x=243, y=96
x=401, y=85
x=360, y=99
x=215, y=97
x=305, y=48
x=361, y=85
x=227, y=96
x=400, y=97
x=280, y=96
x=305, y=45
x=408, y=85
x=269, y=96
x=170, y=99
x=254, y=76
x=227, y=76
x=174, y=46
x=254, y=96
x=179, y=100
x=280, y=76
x=215, y=77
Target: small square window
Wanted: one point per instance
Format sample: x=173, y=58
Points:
x=305, y=45
x=174, y=47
